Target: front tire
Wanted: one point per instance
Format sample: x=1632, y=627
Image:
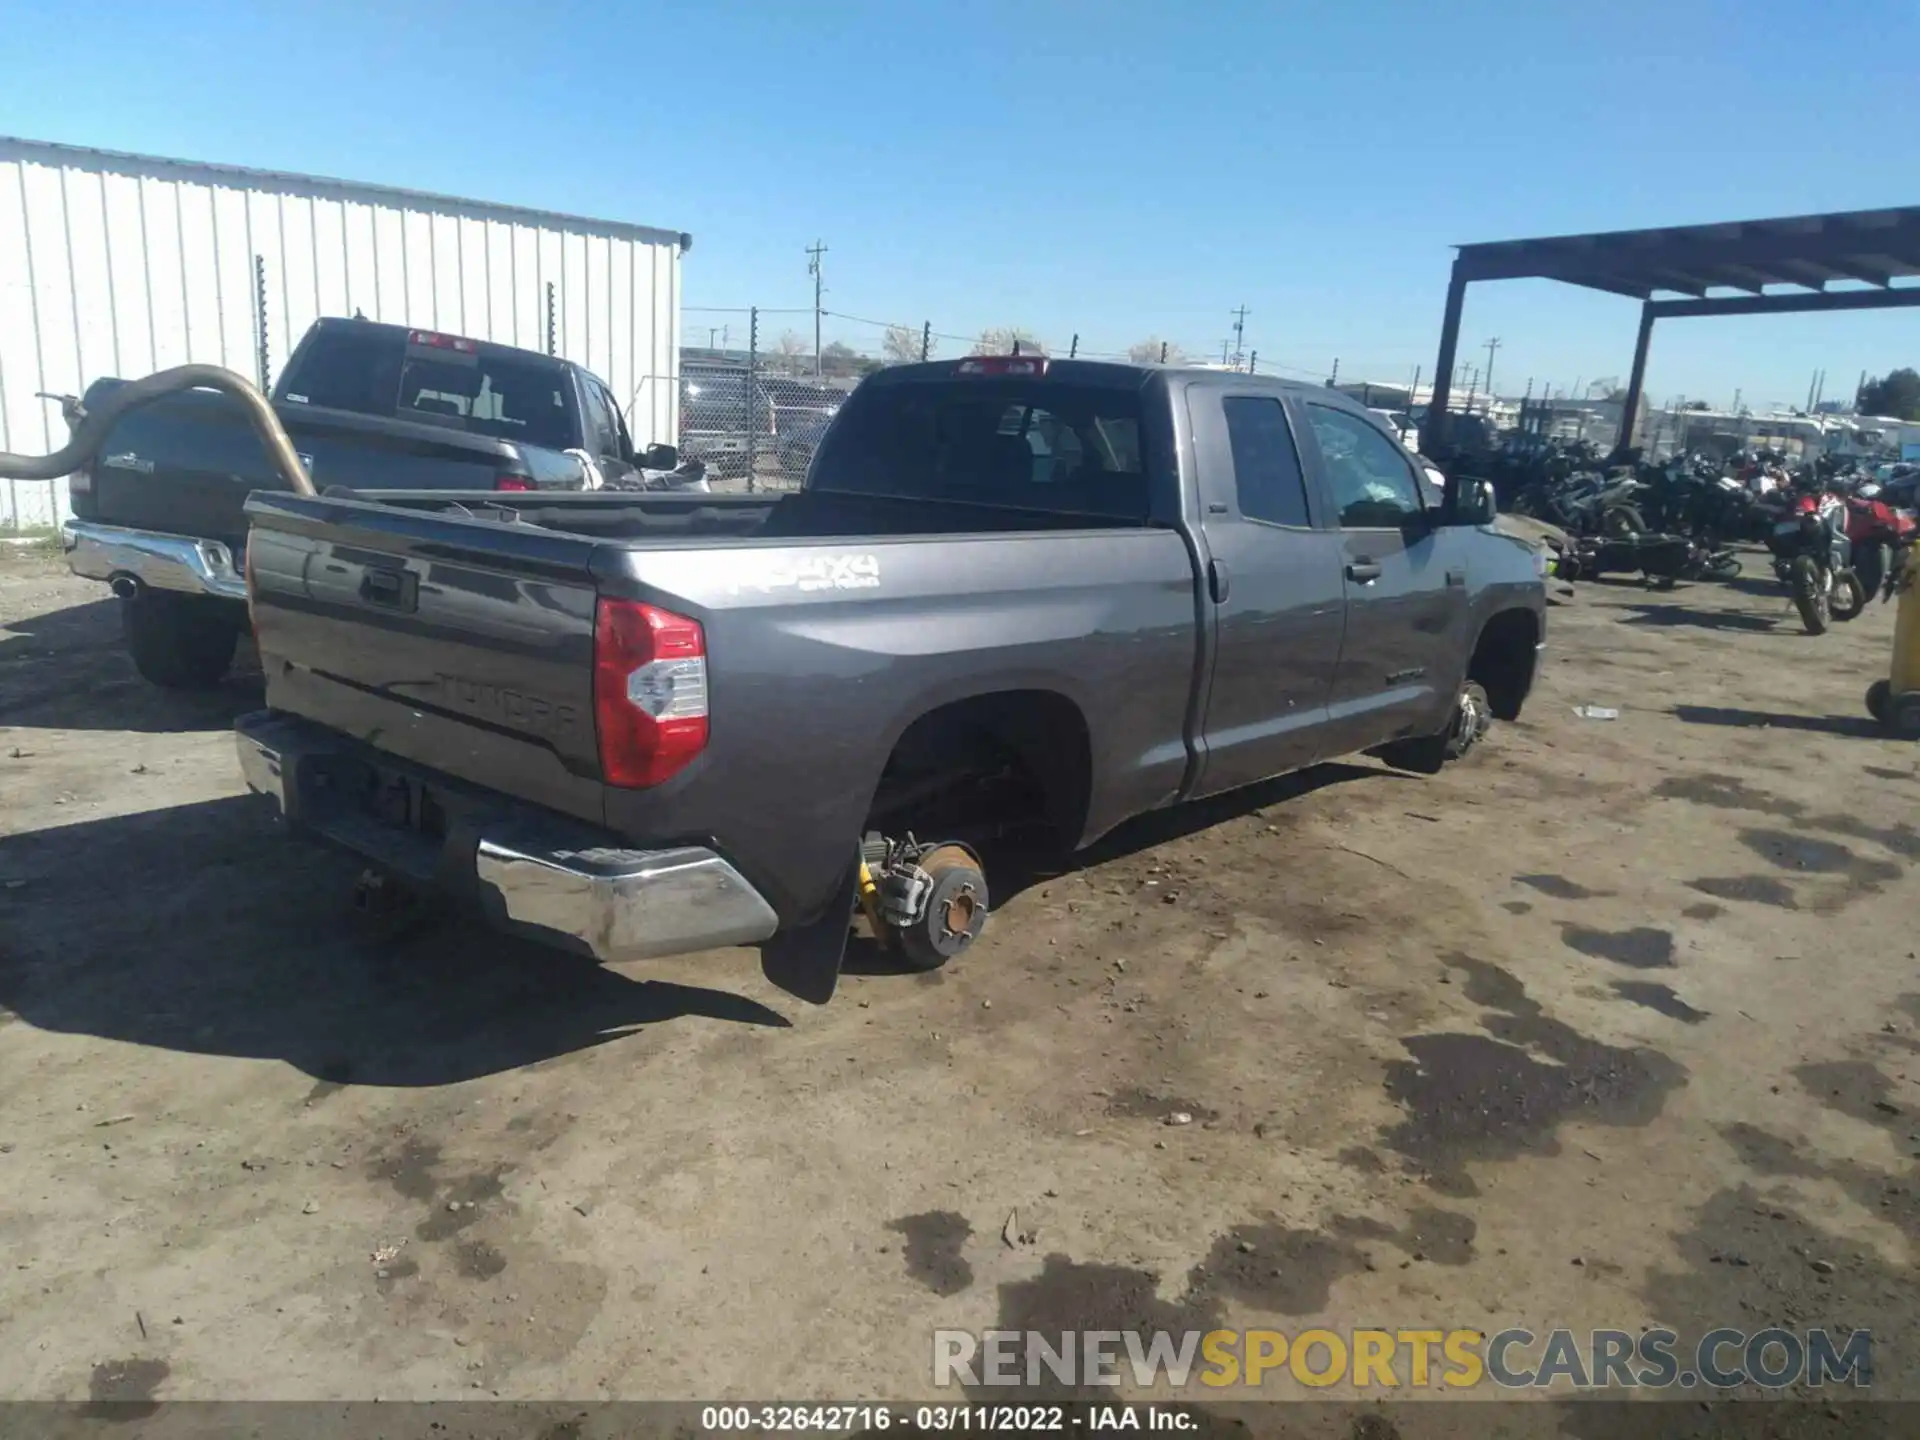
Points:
x=1850, y=599
x=1879, y=698
x=1810, y=597
x=1430, y=754
x=1622, y=521
x=180, y=642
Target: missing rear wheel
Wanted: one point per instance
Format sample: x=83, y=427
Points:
x=955, y=912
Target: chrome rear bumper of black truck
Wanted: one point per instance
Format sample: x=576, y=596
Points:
x=180, y=563
x=544, y=877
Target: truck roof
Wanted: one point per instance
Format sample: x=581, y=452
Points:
x=1099, y=372
x=404, y=333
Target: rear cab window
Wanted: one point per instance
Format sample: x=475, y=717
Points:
x=480, y=389
x=1032, y=443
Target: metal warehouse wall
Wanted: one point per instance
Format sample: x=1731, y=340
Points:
x=125, y=264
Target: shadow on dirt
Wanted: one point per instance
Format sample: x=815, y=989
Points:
x=215, y=935
x=1019, y=863
x=1670, y=616
x=1766, y=587
x=1861, y=727
x=69, y=670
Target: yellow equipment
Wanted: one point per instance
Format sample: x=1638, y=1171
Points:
x=1895, y=701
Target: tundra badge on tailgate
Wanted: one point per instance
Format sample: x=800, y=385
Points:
x=816, y=572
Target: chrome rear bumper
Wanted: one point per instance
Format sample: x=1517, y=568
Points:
x=541, y=876
x=162, y=562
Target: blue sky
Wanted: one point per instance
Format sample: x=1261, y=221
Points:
x=1118, y=169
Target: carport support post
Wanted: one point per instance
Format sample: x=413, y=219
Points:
x=1433, y=430
x=1635, y=381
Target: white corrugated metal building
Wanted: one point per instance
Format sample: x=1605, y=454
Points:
x=116, y=264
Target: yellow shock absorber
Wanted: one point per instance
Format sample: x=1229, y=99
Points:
x=870, y=902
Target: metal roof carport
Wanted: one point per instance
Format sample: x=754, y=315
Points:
x=1808, y=252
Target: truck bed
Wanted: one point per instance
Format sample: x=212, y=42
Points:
x=794, y=515
x=458, y=633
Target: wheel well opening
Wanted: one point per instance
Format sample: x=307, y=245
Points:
x=1503, y=660
x=989, y=765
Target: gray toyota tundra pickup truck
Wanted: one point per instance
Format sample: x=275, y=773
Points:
x=1015, y=591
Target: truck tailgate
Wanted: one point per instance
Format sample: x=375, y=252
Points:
x=429, y=638
x=185, y=465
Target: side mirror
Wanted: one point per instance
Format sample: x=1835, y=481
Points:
x=658, y=457
x=1468, y=502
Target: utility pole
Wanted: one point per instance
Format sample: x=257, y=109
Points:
x=926, y=341
x=1334, y=379
x=1163, y=355
x=1224, y=346
x=1239, y=333
x=814, y=252
x=1073, y=350
x=1253, y=362
x=1810, y=384
x=1492, y=345
x=1736, y=399
x=752, y=385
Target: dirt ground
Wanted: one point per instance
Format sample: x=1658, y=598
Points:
x=1617, y=1024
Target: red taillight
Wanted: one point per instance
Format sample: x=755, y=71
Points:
x=1004, y=365
x=649, y=691
x=443, y=342
x=513, y=482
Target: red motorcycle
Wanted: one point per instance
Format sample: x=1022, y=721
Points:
x=1813, y=557
x=1876, y=531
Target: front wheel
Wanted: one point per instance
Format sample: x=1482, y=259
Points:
x=1879, y=698
x=180, y=642
x=1622, y=520
x=1429, y=754
x=1849, y=597
x=1810, y=596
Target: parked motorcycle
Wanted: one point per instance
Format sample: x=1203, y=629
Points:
x=1877, y=531
x=1813, y=557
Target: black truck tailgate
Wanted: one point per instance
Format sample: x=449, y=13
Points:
x=186, y=464
x=428, y=637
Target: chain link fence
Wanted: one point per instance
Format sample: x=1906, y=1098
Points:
x=759, y=384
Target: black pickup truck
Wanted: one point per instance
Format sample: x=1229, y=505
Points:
x=159, y=515
x=1013, y=591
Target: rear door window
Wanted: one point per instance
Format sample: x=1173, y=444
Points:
x=1266, y=465
x=597, y=422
